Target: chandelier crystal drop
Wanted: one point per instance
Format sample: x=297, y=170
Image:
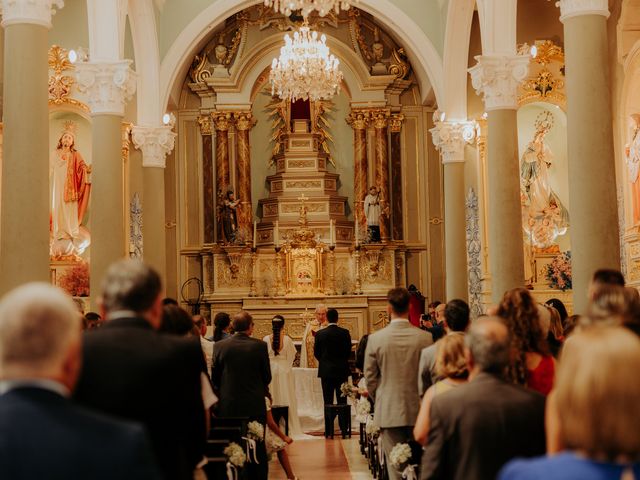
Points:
x=307, y=6
x=305, y=69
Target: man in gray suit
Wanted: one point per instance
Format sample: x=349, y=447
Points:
x=391, y=371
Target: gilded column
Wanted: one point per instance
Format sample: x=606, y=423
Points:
x=208, y=191
x=397, y=227
x=108, y=86
x=222, y=123
x=592, y=189
x=244, y=123
x=380, y=123
x=156, y=143
x=358, y=119
x=496, y=78
x=24, y=243
x=450, y=139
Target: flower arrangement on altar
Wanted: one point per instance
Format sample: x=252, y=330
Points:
x=400, y=458
x=558, y=272
x=75, y=281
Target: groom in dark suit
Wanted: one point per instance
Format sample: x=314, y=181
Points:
x=332, y=349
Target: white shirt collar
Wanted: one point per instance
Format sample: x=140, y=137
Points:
x=398, y=320
x=43, y=383
x=121, y=314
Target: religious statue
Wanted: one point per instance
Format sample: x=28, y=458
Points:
x=312, y=327
x=544, y=216
x=70, y=189
x=632, y=151
x=372, y=213
x=228, y=212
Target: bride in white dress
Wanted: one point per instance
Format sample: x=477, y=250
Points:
x=282, y=353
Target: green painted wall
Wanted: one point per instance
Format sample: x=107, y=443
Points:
x=70, y=25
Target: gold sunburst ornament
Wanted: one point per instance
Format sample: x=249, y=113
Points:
x=305, y=69
x=323, y=7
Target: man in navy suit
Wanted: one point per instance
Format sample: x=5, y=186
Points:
x=42, y=433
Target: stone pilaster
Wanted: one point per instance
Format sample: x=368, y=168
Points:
x=592, y=189
x=359, y=119
x=450, y=138
x=208, y=189
x=496, y=79
x=244, y=124
x=108, y=85
x=24, y=239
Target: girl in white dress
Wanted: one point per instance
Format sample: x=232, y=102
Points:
x=276, y=441
x=282, y=353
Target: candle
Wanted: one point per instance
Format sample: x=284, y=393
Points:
x=357, y=234
x=276, y=235
x=332, y=237
x=255, y=232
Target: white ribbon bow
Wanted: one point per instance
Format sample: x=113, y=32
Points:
x=232, y=471
x=251, y=449
x=409, y=473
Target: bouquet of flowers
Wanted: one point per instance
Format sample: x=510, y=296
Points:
x=558, y=272
x=400, y=458
x=235, y=455
x=371, y=428
x=255, y=431
x=363, y=409
x=348, y=390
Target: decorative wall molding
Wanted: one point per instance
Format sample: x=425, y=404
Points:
x=108, y=85
x=155, y=142
x=450, y=139
x=496, y=79
x=37, y=12
x=135, y=227
x=474, y=251
x=576, y=8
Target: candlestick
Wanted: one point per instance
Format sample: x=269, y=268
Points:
x=255, y=231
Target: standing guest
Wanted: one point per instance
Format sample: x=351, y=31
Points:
x=592, y=415
x=175, y=320
x=436, y=326
x=560, y=307
x=391, y=372
x=93, y=319
x=477, y=427
x=416, y=305
x=241, y=375
x=555, y=337
x=456, y=319
x=207, y=345
x=332, y=350
x=42, y=433
x=221, y=327
x=532, y=364
x=605, y=276
x=613, y=305
x=360, y=353
x=282, y=354
x=132, y=371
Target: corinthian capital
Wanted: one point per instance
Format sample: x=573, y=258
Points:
x=450, y=139
x=496, y=78
x=575, y=8
x=108, y=85
x=155, y=142
x=37, y=12
x=244, y=120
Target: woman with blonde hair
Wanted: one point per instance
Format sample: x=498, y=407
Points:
x=451, y=366
x=593, y=417
x=614, y=305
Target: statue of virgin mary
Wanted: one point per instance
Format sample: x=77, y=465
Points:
x=544, y=216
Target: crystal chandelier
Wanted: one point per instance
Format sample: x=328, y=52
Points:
x=305, y=69
x=307, y=6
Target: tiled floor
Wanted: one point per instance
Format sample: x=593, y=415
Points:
x=321, y=459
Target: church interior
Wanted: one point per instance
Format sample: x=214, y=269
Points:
x=457, y=147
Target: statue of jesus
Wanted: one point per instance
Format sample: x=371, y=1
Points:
x=71, y=186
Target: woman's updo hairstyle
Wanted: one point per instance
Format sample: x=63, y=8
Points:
x=277, y=324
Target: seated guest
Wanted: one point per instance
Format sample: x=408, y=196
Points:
x=456, y=319
x=479, y=426
x=532, y=364
x=42, y=434
x=451, y=367
x=592, y=418
x=134, y=372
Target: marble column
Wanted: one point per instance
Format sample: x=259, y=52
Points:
x=156, y=143
x=397, y=226
x=450, y=139
x=359, y=119
x=24, y=217
x=496, y=78
x=222, y=123
x=208, y=190
x=108, y=86
x=244, y=123
x=592, y=186
x=380, y=120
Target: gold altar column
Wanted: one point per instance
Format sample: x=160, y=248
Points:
x=221, y=123
x=208, y=189
x=380, y=123
x=496, y=77
x=450, y=139
x=24, y=218
x=397, y=221
x=358, y=119
x=108, y=86
x=592, y=188
x=244, y=123
x=156, y=143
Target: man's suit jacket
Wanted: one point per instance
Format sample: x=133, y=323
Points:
x=477, y=427
x=133, y=372
x=426, y=368
x=241, y=375
x=332, y=349
x=391, y=371
x=43, y=435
